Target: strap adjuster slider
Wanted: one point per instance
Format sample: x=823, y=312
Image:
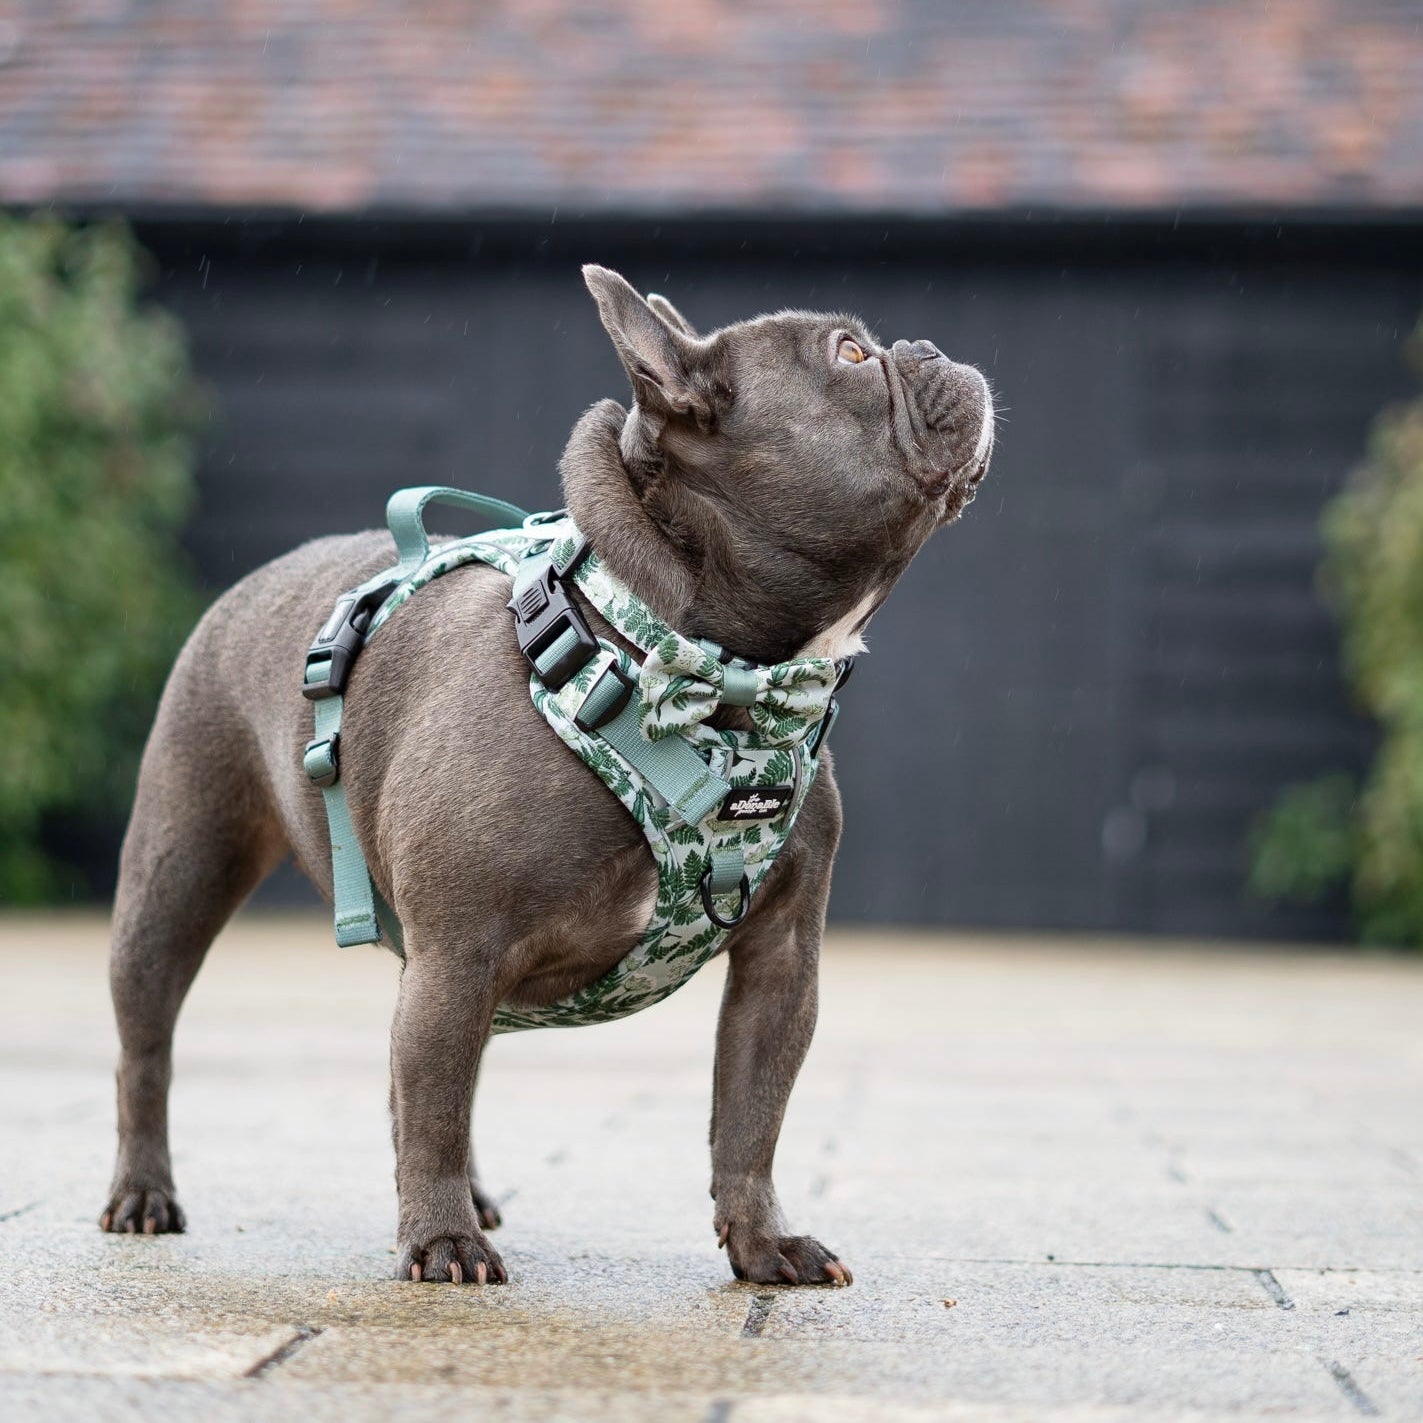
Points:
x=589, y=721
x=321, y=760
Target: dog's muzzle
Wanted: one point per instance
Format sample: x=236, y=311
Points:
x=951, y=410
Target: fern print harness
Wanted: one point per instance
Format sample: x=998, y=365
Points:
x=716, y=806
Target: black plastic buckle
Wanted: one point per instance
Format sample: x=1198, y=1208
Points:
x=832, y=709
x=827, y=723
x=614, y=707
x=543, y=613
x=728, y=659
x=341, y=640
x=744, y=892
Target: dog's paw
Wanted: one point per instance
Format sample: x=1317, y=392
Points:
x=459, y=1259
x=783, y=1260
x=143, y=1211
x=484, y=1206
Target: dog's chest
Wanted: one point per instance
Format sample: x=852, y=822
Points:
x=581, y=940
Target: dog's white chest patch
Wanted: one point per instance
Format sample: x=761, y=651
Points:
x=843, y=637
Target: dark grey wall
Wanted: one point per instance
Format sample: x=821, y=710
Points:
x=1083, y=692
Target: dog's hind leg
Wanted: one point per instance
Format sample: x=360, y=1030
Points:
x=199, y=840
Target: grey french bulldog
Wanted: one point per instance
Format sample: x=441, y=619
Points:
x=769, y=484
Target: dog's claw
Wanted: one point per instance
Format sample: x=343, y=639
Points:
x=785, y=1260
x=723, y=1235
x=459, y=1260
x=142, y=1210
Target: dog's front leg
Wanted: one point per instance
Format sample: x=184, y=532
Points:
x=442, y=1020
x=767, y=1017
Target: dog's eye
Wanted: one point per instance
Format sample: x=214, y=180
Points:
x=849, y=352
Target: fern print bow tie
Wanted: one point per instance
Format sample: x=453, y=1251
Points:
x=682, y=684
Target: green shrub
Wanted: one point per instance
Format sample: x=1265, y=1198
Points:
x=1372, y=836
x=96, y=412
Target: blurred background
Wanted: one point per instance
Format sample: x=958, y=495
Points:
x=262, y=263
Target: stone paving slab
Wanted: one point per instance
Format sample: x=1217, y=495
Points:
x=1075, y=1180
x=1364, y=1291
x=134, y=1348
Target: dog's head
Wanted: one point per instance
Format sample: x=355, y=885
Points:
x=792, y=465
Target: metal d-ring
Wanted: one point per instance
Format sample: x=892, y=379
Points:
x=743, y=889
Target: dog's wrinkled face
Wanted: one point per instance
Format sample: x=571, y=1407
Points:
x=797, y=462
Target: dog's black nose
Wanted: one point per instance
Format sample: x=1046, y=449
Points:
x=917, y=351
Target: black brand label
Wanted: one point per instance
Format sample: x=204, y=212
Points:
x=755, y=803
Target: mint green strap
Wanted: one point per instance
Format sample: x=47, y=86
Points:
x=555, y=652
x=405, y=515
x=360, y=910
x=670, y=766
x=728, y=864
x=602, y=696
x=351, y=889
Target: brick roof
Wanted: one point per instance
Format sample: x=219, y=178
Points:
x=686, y=105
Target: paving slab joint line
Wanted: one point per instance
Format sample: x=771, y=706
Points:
x=756, y=1315
x=305, y=1333
x=1220, y=1222
x=19, y=1210
x=1132, y=1264
x=1351, y=1390
x=1273, y=1288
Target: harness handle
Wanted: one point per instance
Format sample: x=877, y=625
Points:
x=405, y=515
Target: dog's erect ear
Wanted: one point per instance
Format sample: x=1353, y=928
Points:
x=659, y=359
x=671, y=315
